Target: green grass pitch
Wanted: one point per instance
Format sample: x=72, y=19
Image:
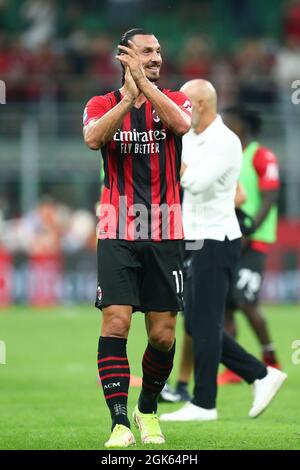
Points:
x=49, y=397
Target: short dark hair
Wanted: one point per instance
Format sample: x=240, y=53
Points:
x=132, y=32
x=126, y=37
x=249, y=117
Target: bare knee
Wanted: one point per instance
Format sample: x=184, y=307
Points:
x=116, y=327
x=162, y=339
x=116, y=323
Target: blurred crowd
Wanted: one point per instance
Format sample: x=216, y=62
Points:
x=51, y=228
x=63, y=50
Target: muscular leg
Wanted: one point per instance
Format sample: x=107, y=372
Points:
x=161, y=329
x=113, y=364
x=158, y=358
x=116, y=321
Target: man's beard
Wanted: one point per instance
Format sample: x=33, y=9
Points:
x=153, y=80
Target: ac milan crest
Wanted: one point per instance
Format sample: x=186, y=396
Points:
x=99, y=293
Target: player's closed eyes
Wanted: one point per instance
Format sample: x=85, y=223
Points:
x=149, y=52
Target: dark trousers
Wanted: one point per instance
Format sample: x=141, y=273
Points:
x=205, y=296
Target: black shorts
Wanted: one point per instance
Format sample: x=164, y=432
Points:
x=247, y=279
x=147, y=275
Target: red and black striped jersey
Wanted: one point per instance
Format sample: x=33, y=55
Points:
x=140, y=199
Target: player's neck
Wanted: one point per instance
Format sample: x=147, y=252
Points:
x=205, y=122
x=245, y=142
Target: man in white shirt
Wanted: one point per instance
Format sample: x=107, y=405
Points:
x=212, y=157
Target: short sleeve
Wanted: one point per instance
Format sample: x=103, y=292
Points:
x=95, y=109
x=181, y=100
x=266, y=165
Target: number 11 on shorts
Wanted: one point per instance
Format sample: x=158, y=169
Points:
x=179, y=281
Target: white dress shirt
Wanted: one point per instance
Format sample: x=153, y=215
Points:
x=213, y=160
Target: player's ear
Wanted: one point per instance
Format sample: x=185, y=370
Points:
x=200, y=105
